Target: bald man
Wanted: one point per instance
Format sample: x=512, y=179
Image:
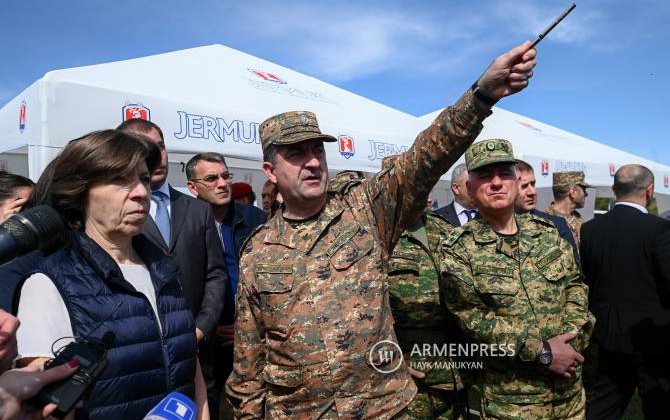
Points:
x=626, y=261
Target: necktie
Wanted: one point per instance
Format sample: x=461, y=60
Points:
x=470, y=214
x=162, y=218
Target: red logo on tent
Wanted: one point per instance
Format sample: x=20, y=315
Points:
x=612, y=169
x=132, y=111
x=347, y=148
x=528, y=125
x=544, y=167
x=22, y=116
x=666, y=181
x=268, y=76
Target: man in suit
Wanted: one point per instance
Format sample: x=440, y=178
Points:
x=461, y=210
x=526, y=201
x=626, y=261
x=210, y=181
x=184, y=228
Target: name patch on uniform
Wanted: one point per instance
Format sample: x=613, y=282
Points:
x=494, y=271
x=274, y=268
x=550, y=257
x=345, y=236
x=406, y=255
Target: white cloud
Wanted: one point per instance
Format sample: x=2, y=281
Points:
x=350, y=41
x=343, y=40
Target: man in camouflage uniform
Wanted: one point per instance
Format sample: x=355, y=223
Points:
x=420, y=318
x=511, y=280
x=569, y=190
x=314, y=325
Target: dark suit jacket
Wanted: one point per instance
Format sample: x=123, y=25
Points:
x=626, y=261
x=196, y=250
x=562, y=227
x=449, y=213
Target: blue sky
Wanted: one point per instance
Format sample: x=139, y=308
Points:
x=603, y=73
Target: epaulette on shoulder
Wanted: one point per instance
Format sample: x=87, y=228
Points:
x=539, y=220
x=343, y=181
x=455, y=235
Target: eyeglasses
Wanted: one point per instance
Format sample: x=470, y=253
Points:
x=213, y=178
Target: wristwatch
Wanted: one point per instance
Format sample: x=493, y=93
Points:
x=476, y=91
x=544, y=357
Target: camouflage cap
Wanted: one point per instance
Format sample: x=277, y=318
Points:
x=291, y=127
x=570, y=178
x=488, y=152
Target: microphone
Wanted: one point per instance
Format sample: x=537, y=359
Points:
x=39, y=227
x=175, y=406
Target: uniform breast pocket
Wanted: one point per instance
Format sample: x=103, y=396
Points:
x=404, y=263
x=349, y=247
x=497, y=290
x=553, y=265
x=275, y=285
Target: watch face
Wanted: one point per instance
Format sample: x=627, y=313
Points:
x=545, y=358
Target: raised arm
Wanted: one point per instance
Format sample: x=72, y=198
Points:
x=399, y=191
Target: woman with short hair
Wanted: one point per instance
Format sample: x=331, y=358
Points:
x=111, y=281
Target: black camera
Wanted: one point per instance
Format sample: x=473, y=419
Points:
x=65, y=394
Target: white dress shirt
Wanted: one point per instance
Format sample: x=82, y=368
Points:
x=633, y=205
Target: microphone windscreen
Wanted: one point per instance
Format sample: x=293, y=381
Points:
x=175, y=406
x=38, y=227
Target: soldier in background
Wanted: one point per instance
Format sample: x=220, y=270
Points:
x=313, y=324
x=527, y=199
x=420, y=318
x=570, y=193
x=512, y=281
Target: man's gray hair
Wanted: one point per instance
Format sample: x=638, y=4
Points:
x=631, y=180
x=459, y=171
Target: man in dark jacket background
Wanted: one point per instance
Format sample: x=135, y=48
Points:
x=210, y=181
x=461, y=210
x=626, y=261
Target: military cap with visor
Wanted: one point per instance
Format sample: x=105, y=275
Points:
x=488, y=152
x=290, y=128
x=569, y=179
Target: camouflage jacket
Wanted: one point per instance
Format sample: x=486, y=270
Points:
x=518, y=297
x=574, y=221
x=420, y=317
x=312, y=303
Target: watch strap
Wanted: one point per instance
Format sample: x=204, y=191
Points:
x=476, y=91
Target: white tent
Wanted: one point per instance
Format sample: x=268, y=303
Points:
x=205, y=99
x=550, y=149
x=213, y=98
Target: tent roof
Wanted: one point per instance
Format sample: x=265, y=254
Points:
x=220, y=77
x=535, y=141
x=534, y=138
x=213, y=98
